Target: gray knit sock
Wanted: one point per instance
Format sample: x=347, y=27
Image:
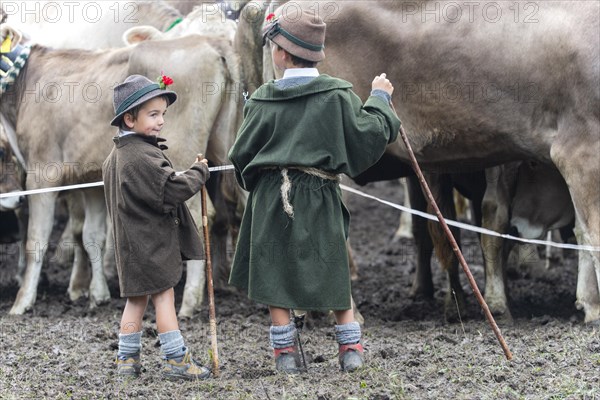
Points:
x=282, y=336
x=172, y=345
x=130, y=345
x=348, y=333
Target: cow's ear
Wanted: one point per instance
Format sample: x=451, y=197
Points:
x=139, y=34
x=9, y=37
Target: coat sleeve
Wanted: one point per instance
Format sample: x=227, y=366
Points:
x=247, y=143
x=153, y=182
x=180, y=187
x=368, y=129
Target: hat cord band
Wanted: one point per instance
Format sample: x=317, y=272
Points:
x=136, y=96
x=277, y=28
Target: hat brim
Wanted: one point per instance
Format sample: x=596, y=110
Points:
x=298, y=51
x=172, y=96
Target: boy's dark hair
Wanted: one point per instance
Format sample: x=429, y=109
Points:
x=301, y=62
x=134, y=114
x=297, y=61
x=135, y=111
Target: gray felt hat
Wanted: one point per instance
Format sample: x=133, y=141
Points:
x=298, y=30
x=135, y=90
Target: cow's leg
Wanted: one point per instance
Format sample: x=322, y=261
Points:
x=353, y=265
x=588, y=282
x=80, y=275
x=94, y=237
x=79, y=282
x=41, y=220
x=23, y=216
x=219, y=229
x=462, y=207
x=354, y=275
x=195, y=281
x=193, y=291
x=404, y=230
x=422, y=285
x=442, y=189
x=576, y=156
x=495, y=209
x=225, y=195
x=357, y=315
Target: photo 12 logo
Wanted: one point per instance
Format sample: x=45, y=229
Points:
x=71, y=11
x=471, y=11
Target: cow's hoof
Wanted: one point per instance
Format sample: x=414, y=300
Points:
x=592, y=316
x=98, y=301
x=455, y=308
x=421, y=293
x=402, y=234
x=76, y=294
x=593, y=324
x=19, y=309
x=505, y=318
x=498, y=306
x=186, y=312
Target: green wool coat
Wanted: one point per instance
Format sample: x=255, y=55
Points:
x=302, y=262
x=153, y=228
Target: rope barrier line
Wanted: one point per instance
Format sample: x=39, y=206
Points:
x=431, y=217
x=83, y=185
x=468, y=227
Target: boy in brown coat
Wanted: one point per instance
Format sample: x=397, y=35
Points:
x=153, y=228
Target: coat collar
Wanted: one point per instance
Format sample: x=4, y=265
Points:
x=121, y=141
x=323, y=83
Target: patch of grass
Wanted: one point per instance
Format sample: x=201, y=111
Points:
x=396, y=384
x=570, y=388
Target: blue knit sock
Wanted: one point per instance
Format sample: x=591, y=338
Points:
x=130, y=345
x=348, y=333
x=282, y=336
x=172, y=345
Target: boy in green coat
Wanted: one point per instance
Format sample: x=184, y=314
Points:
x=298, y=135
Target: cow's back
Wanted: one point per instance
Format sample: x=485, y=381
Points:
x=204, y=70
x=65, y=107
x=472, y=88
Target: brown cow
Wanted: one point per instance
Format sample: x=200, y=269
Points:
x=40, y=102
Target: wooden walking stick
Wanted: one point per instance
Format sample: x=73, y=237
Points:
x=454, y=244
x=209, y=282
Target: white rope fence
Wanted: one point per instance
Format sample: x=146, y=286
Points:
x=450, y=222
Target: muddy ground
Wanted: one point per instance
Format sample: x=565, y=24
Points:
x=64, y=350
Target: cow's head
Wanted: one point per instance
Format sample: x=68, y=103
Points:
x=207, y=20
x=9, y=179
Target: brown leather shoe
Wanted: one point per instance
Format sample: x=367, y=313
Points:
x=187, y=368
x=130, y=367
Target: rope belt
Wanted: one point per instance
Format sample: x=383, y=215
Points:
x=286, y=185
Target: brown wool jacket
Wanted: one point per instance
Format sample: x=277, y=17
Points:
x=153, y=228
